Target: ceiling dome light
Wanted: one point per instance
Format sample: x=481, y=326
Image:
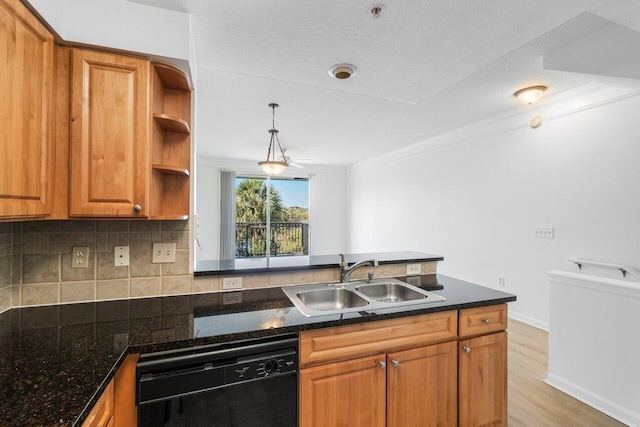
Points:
x=529, y=95
x=342, y=71
x=273, y=166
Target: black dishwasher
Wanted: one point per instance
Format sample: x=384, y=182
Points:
x=238, y=384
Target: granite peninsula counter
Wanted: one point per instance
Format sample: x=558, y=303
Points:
x=55, y=360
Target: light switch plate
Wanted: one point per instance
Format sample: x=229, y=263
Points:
x=121, y=256
x=80, y=257
x=164, y=252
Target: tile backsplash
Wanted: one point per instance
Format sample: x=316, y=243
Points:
x=36, y=259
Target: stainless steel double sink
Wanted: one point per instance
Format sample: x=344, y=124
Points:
x=338, y=298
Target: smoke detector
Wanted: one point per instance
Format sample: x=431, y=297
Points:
x=342, y=71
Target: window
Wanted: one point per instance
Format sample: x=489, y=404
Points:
x=277, y=225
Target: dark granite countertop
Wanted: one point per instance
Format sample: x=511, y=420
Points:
x=56, y=360
x=293, y=263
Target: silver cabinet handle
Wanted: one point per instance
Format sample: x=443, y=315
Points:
x=467, y=349
x=395, y=363
x=137, y=208
x=382, y=365
x=486, y=321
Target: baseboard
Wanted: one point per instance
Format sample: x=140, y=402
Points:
x=585, y=396
x=529, y=321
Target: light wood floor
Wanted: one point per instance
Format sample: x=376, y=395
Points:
x=531, y=401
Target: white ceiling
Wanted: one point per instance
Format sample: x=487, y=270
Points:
x=424, y=67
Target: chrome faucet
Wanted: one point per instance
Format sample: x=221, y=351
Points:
x=345, y=270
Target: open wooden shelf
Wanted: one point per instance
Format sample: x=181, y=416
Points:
x=172, y=78
x=171, y=149
x=171, y=123
x=170, y=170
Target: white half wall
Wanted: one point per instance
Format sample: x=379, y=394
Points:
x=327, y=225
x=476, y=203
x=592, y=355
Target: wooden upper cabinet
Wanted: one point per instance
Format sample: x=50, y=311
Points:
x=110, y=135
x=26, y=112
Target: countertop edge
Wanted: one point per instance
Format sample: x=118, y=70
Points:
x=101, y=388
x=196, y=342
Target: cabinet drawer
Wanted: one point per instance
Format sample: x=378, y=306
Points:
x=482, y=320
x=102, y=413
x=348, y=342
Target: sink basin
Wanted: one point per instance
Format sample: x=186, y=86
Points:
x=390, y=292
x=338, y=298
x=331, y=299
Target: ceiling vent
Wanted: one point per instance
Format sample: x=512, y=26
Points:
x=342, y=71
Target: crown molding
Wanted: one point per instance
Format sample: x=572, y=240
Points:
x=579, y=99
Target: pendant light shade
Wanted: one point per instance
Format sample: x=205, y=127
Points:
x=271, y=166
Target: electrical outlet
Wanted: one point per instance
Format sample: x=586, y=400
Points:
x=121, y=256
x=164, y=252
x=543, y=232
x=500, y=281
x=232, y=283
x=231, y=298
x=80, y=257
x=414, y=269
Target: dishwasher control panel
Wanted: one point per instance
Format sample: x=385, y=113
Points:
x=261, y=367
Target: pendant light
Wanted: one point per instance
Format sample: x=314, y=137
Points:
x=273, y=166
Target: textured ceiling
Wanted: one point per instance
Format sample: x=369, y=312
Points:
x=424, y=67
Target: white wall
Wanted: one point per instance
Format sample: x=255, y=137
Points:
x=477, y=203
x=119, y=24
x=327, y=225
x=328, y=209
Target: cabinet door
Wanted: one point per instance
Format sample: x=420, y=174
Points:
x=110, y=121
x=422, y=386
x=26, y=111
x=344, y=394
x=483, y=381
x=102, y=413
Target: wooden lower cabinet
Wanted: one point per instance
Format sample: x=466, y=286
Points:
x=416, y=387
x=116, y=407
x=102, y=413
x=125, y=409
x=422, y=386
x=406, y=372
x=344, y=394
x=482, y=381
